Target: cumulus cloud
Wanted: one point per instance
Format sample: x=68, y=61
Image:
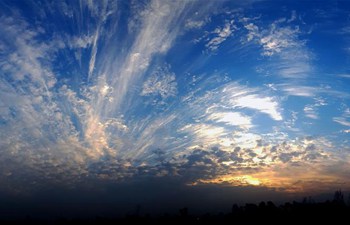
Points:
x=261, y=164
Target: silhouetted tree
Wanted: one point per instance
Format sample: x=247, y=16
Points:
x=183, y=212
x=234, y=209
x=338, y=197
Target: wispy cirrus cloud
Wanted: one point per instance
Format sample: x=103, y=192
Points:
x=281, y=40
x=344, y=119
x=196, y=23
x=311, y=91
x=161, y=83
x=344, y=75
x=231, y=118
x=311, y=109
x=267, y=105
x=219, y=35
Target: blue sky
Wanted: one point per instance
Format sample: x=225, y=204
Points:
x=227, y=93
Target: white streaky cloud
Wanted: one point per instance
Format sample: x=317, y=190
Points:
x=347, y=112
x=267, y=105
x=93, y=53
x=310, y=112
x=161, y=82
x=344, y=119
x=101, y=11
x=344, y=75
x=341, y=120
x=225, y=114
x=235, y=97
x=204, y=134
x=295, y=63
x=303, y=91
x=311, y=91
x=232, y=118
x=160, y=18
x=220, y=35
x=148, y=133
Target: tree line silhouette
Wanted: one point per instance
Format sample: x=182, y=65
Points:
x=335, y=211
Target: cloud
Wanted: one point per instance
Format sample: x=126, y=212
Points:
x=343, y=120
x=253, y=31
x=239, y=97
x=25, y=56
x=207, y=133
x=310, y=110
x=311, y=91
x=279, y=39
x=275, y=39
x=282, y=41
x=74, y=107
x=269, y=165
x=232, y=118
x=227, y=119
x=220, y=34
x=81, y=41
x=345, y=30
x=160, y=18
x=160, y=83
x=195, y=24
x=293, y=17
x=344, y=75
x=93, y=54
x=267, y=105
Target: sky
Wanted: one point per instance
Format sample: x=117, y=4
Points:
x=172, y=102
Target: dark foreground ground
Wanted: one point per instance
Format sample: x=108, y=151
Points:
x=307, y=211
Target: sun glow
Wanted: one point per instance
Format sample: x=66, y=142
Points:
x=244, y=180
